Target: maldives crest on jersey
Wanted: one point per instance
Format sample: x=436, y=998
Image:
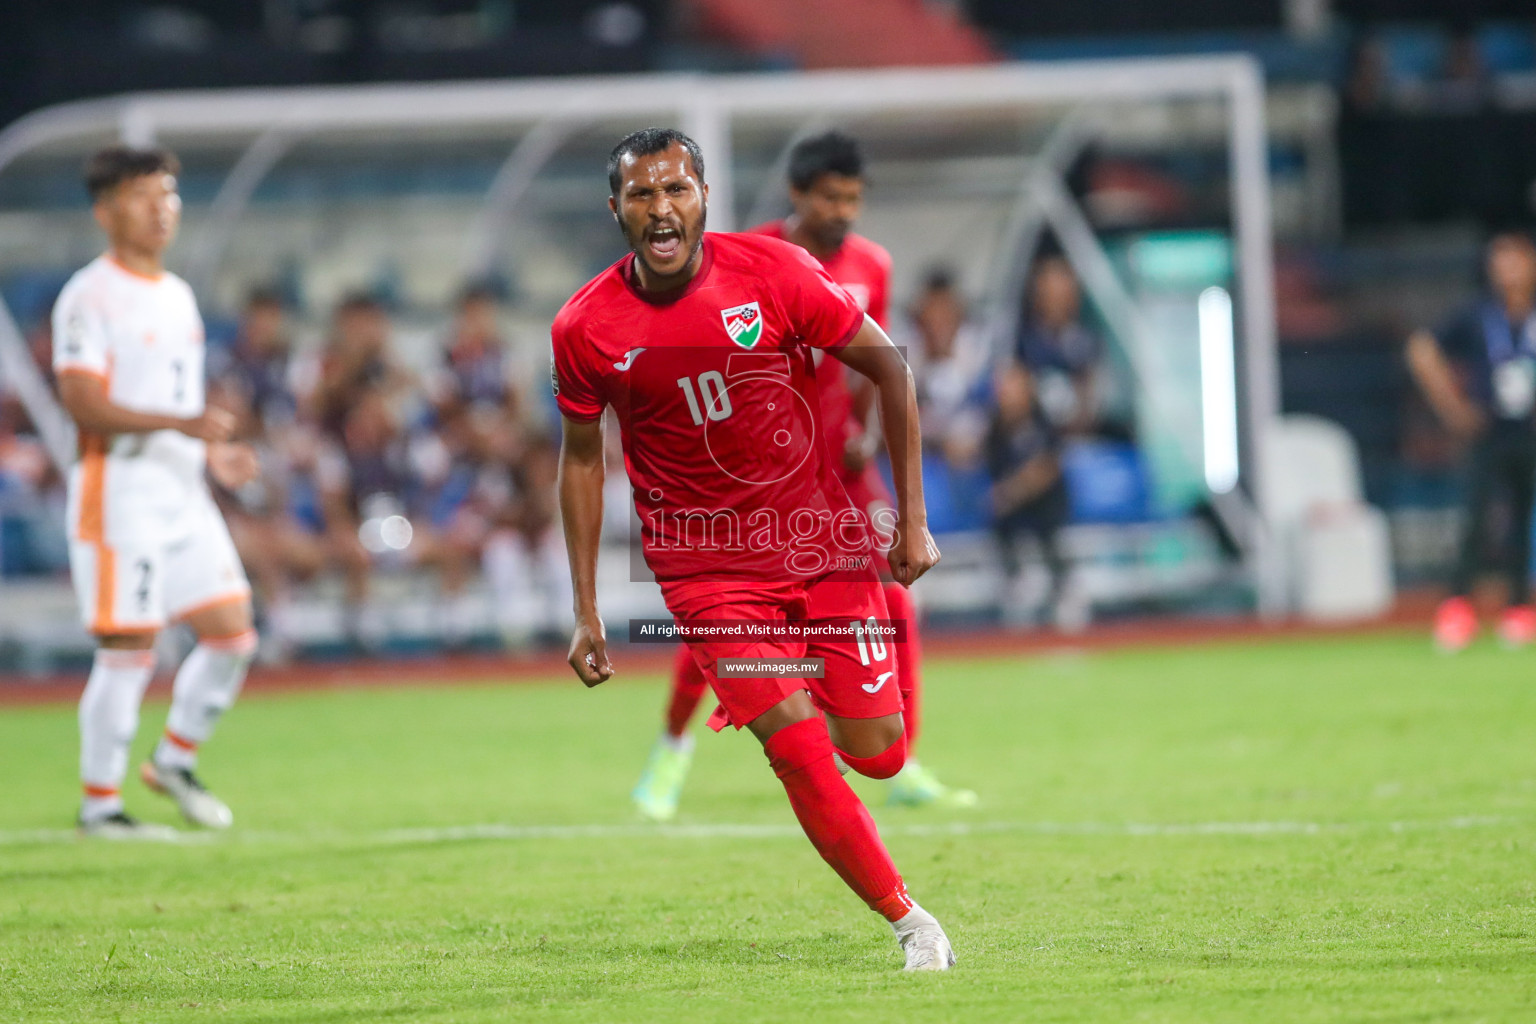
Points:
x=744, y=324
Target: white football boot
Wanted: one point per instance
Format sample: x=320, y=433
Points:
x=198, y=806
x=923, y=940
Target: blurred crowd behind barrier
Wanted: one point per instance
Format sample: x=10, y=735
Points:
x=427, y=456
x=403, y=412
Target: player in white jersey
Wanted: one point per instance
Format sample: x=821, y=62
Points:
x=147, y=545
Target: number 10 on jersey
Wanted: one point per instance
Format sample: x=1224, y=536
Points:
x=712, y=387
x=871, y=645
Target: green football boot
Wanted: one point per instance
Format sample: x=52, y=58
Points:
x=661, y=784
x=916, y=786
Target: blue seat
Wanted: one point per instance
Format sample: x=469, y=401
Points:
x=1107, y=481
x=958, y=498
x=1414, y=53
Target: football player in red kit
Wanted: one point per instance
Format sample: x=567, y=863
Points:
x=702, y=346
x=826, y=188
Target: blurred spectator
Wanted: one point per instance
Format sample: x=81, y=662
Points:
x=258, y=365
x=501, y=504
x=1478, y=372
x=950, y=365
x=475, y=373
x=1064, y=355
x=475, y=403
x=275, y=519
x=1305, y=309
x=1365, y=89
x=1464, y=84
x=31, y=498
x=382, y=496
x=1029, y=494
x=355, y=362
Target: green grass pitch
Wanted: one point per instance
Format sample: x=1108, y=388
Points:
x=1299, y=830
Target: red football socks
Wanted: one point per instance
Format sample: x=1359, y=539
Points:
x=909, y=658
x=688, y=686
x=834, y=819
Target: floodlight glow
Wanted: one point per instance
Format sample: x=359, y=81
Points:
x=1218, y=391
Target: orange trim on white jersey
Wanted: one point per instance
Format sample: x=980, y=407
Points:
x=91, y=525
x=92, y=528
x=125, y=268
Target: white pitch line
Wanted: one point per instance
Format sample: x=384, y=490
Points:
x=723, y=830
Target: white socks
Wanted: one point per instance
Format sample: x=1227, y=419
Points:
x=109, y=717
x=206, y=686
x=914, y=918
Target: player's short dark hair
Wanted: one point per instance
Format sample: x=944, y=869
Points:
x=110, y=167
x=647, y=141
x=831, y=152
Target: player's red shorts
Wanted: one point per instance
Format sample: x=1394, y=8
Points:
x=870, y=496
x=860, y=678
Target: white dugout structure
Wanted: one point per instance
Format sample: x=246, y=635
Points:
x=1239, y=386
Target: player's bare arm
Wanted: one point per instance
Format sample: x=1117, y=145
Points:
x=581, y=510
x=1436, y=379
x=84, y=397
x=871, y=353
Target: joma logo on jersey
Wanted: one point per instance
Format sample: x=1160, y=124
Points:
x=744, y=324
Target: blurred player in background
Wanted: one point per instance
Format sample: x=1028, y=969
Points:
x=826, y=190
x=1478, y=372
x=147, y=544
x=701, y=344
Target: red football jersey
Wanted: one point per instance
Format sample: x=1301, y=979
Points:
x=714, y=388
x=863, y=269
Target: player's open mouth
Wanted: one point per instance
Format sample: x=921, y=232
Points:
x=664, y=243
